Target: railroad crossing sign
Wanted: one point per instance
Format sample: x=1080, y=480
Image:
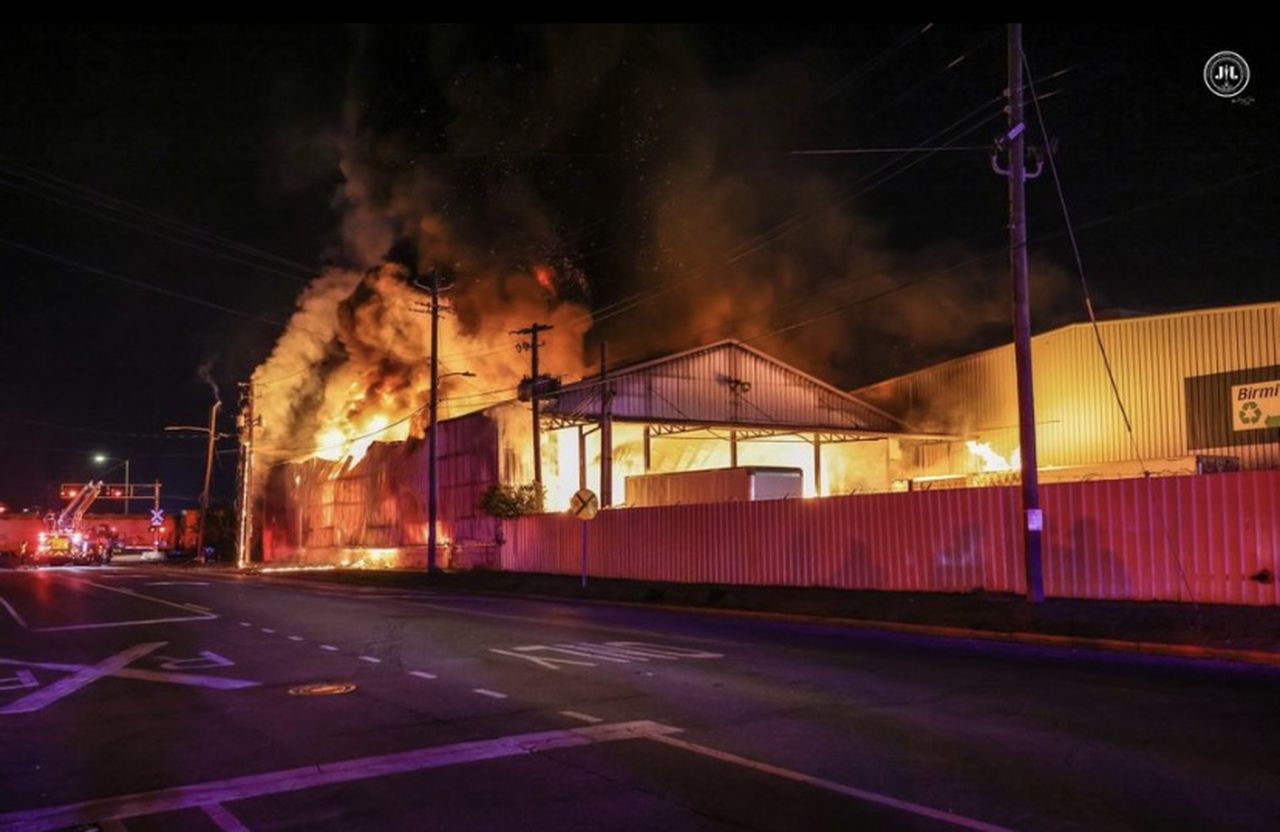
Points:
x=157, y=518
x=584, y=504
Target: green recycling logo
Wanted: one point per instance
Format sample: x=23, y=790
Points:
x=1250, y=413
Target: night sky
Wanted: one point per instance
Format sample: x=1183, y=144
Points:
x=167, y=192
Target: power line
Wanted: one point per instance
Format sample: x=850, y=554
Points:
x=1084, y=283
x=208, y=304
x=63, y=191
x=102, y=431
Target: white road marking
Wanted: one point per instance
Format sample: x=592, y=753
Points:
x=371, y=659
x=134, y=594
x=329, y=647
x=200, y=607
x=202, y=660
x=324, y=774
x=246, y=623
x=16, y=617
x=21, y=680
x=540, y=661
x=139, y=623
x=223, y=818
x=66, y=686
x=204, y=614
x=492, y=694
x=579, y=715
x=661, y=651
x=267, y=630
x=216, y=682
x=618, y=652
x=295, y=638
x=840, y=788
x=177, y=583
x=422, y=674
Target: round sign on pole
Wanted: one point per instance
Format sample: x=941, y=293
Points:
x=584, y=504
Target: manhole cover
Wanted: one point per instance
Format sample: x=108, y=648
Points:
x=322, y=689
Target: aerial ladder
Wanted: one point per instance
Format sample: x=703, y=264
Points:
x=65, y=539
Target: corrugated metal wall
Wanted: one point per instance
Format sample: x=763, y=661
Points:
x=1211, y=539
x=319, y=508
x=1078, y=422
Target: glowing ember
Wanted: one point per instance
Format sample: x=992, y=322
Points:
x=545, y=278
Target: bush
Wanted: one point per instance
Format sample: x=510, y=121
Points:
x=513, y=500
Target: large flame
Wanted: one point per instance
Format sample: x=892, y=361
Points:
x=354, y=366
x=992, y=461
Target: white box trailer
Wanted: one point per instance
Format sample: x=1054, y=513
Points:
x=715, y=485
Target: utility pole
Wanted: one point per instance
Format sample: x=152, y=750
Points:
x=433, y=507
x=533, y=331
x=606, y=430
x=208, y=476
x=433, y=420
x=127, y=487
x=1033, y=519
x=244, y=536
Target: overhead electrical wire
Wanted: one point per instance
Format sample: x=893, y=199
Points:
x=150, y=287
x=78, y=197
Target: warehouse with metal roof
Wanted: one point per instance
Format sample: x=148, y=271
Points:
x=1181, y=392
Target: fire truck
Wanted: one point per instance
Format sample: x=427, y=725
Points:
x=66, y=540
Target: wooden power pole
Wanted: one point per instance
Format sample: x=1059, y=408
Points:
x=1032, y=517
x=533, y=331
x=433, y=492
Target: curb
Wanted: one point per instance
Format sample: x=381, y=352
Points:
x=1260, y=658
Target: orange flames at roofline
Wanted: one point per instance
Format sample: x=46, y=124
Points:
x=353, y=368
x=992, y=461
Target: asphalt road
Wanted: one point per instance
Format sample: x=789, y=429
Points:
x=152, y=698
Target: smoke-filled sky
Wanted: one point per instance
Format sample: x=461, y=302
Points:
x=169, y=194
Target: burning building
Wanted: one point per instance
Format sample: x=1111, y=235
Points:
x=1199, y=390
x=723, y=406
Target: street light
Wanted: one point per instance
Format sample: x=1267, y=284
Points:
x=213, y=434
x=102, y=458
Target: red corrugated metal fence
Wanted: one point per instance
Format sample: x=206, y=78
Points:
x=1211, y=539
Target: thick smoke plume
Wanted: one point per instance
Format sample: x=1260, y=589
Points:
x=548, y=170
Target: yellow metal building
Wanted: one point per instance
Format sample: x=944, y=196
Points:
x=1201, y=390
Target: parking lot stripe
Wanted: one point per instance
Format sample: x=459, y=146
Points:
x=492, y=694
x=324, y=774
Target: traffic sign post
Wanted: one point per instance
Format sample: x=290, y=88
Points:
x=585, y=506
